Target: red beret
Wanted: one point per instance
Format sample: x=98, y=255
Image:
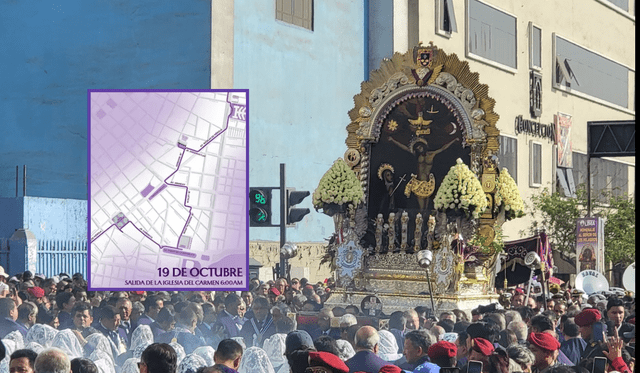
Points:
x=36, y=291
x=519, y=291
x=483, y=346
x=327, y=360
x=544, y=341
x=390, y=369
x=442, y=349
x=275, y=291
x=138, y=292
x=588, y=316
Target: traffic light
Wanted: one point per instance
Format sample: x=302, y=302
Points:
x=259, y=207
x=294, y=197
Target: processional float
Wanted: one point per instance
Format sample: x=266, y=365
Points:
x=419, y=188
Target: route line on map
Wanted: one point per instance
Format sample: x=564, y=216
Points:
x=184, y=149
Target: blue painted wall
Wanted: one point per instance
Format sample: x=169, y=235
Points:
x=52, y=52
x=47, y=218
x=301, y=86
x=380, y=32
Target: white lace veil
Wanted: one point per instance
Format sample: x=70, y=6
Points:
x=191, y=363
x=42, y=334
x=274, y=346
x=255, y=360
x=388, y=346
x=345, y=349
x=206, y=352
x=69, y=343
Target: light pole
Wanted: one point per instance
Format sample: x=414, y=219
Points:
x=425, y=257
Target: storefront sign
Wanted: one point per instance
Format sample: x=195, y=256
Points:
x=534, y=128
x=590, y=244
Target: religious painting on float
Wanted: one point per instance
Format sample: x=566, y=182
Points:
x=420, y=139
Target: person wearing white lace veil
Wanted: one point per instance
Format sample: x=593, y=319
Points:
x=388, y=347
x=255, y=360
x=17, y=337
x=130, y=366
x=67, y=341
x=137, y=352
x=206, y=352
x=345, y=349
x=42, y=334
x=179, y=351
x=104, y=365
x=141, y=335
x=274, y=346
x=191, y=363
x=99, y=347
x=35, y=347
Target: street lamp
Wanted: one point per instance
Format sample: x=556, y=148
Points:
x=287, y=251
x=531, y=260
x=425, y=257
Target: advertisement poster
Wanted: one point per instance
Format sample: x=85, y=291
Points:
x=168, y=180
x=590, y=244
x=563, y=139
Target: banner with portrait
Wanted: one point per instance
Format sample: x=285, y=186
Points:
x=590, y=244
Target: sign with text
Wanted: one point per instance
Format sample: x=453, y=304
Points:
x=590, y=244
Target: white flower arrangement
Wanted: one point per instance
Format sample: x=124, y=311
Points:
x=508, y=196
x=339, y=185
x=461, y=190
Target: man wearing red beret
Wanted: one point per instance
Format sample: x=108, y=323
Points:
x=480, y=350
x=326, y=362
x=545, y=349
x=443, y=354
x=586, y=321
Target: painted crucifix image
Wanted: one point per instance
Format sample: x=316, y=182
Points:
x=421, y=137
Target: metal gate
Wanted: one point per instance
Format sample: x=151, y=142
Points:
x=55, y=257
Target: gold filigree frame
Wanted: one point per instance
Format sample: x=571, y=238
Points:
x=451, y=79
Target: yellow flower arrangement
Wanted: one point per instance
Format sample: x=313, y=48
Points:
x=461, y=190
x=508, y=196
x=339, y=185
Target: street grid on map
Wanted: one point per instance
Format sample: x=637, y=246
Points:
x=168, y=182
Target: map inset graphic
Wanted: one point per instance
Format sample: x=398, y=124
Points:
x=168, y=184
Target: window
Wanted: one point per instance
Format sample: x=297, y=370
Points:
x=491, y=35
x=445, y=18
x=535, y=164
x=606, y=175
x=508, y=155
x=622, y=4
x=535, y=47
x=578, y=69
x=296, y=12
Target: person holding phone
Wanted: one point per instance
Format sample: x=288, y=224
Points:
x=591, y=330
x=545, y=349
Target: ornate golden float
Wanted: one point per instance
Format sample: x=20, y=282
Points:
x=420, y=114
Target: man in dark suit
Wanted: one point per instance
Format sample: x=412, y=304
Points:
x=124, y=307
x=8, y=317
x=152, y=305
x=108, y=325
x=615, y=316
x=184, y=332
x=366, y=358
x=231, y=318
x=324, y=325
x=261, y=326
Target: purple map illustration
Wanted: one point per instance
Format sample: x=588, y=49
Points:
x=168, y=186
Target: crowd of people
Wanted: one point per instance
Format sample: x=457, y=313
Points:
x=54, y=325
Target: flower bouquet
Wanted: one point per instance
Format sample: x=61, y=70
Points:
x=461, y=192
x=337, y=189
x=508, y=196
